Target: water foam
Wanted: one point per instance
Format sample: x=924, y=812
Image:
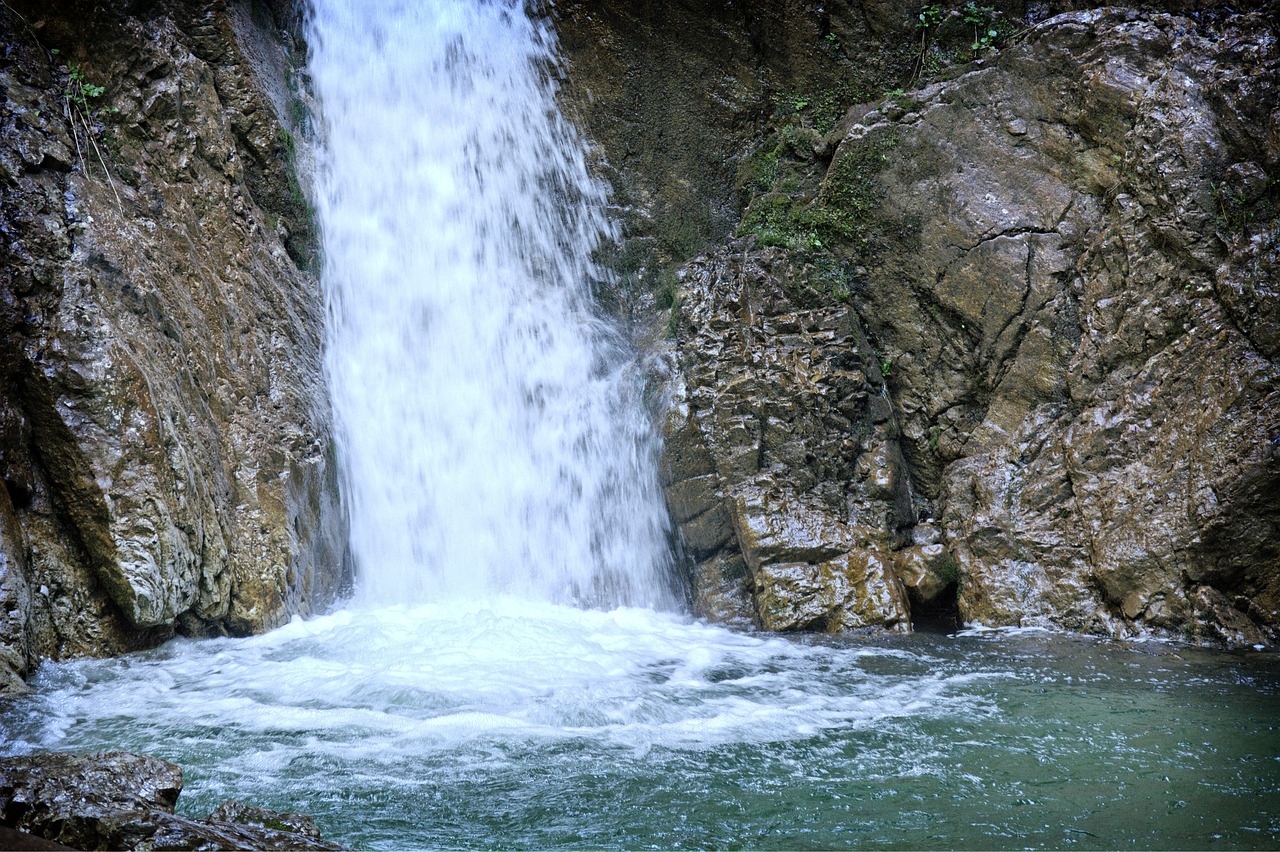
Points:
x=373, y=685
x=528, y=724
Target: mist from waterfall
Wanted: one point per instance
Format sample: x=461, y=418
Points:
x=491, y=430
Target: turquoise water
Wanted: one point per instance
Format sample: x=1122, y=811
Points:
x=514, y=725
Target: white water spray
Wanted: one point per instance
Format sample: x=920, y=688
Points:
x=491, y=428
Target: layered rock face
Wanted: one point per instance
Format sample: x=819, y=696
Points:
x=1020, y=333
x=166, y=449
x=783, y=466
x=673, y=90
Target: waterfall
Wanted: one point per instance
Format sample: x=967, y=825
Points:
x=490, y=425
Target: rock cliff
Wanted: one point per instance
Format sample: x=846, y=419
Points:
x=999, y=346
x=164, y=441
x=969, y=313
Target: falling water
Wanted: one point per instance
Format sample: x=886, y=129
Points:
x=499, y=468
x=490, y=424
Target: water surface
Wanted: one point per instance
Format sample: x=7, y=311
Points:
x=530, y=726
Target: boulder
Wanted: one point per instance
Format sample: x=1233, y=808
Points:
x=117, y=800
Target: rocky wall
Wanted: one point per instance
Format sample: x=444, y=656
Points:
x=674, y=91
x=165, y=446
x=1059, y=257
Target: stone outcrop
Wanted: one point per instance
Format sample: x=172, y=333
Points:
x=1000, y=342
x=164, y=436
x=1061, y=259
x=783, y=467
x=117, y=800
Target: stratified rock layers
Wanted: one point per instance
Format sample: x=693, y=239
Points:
x=166, y=449
x=782, y=465
x=1058, y=343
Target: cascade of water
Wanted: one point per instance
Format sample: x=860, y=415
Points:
x=491, y=430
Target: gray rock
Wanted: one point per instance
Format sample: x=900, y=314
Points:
x=1065, y=257
x=781, y=458
x=117, y=800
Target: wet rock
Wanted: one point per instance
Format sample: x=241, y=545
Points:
x=928, y=570
x=117, y=800
x=1116, y=397
x=1063, y=256
x=238, y=813
x=16, y=658
x=166, y=449
x=781, y=459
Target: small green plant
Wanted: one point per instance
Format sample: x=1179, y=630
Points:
x=289, y=145
x=949, y=569
x=931, y=14
x=818, y=110
x=79, y=92
x=79, y=98
x=758, y=171
x=787, y=105
x=832, y=41
x=673, y=319
x=901, y=100
x=668, y=289
x=983, y=20
x=886, y=367
x=775, y=221
x=300, y=113
x=988, y=26
x=935, y=434
x=840, y=217
x=828, y=275
x=1233, y=209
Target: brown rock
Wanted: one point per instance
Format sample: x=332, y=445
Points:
x=166, y=442
x=927, y=570
x=799, y=477
x=1062, y=256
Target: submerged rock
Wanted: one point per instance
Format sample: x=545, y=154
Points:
x=117, y=800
